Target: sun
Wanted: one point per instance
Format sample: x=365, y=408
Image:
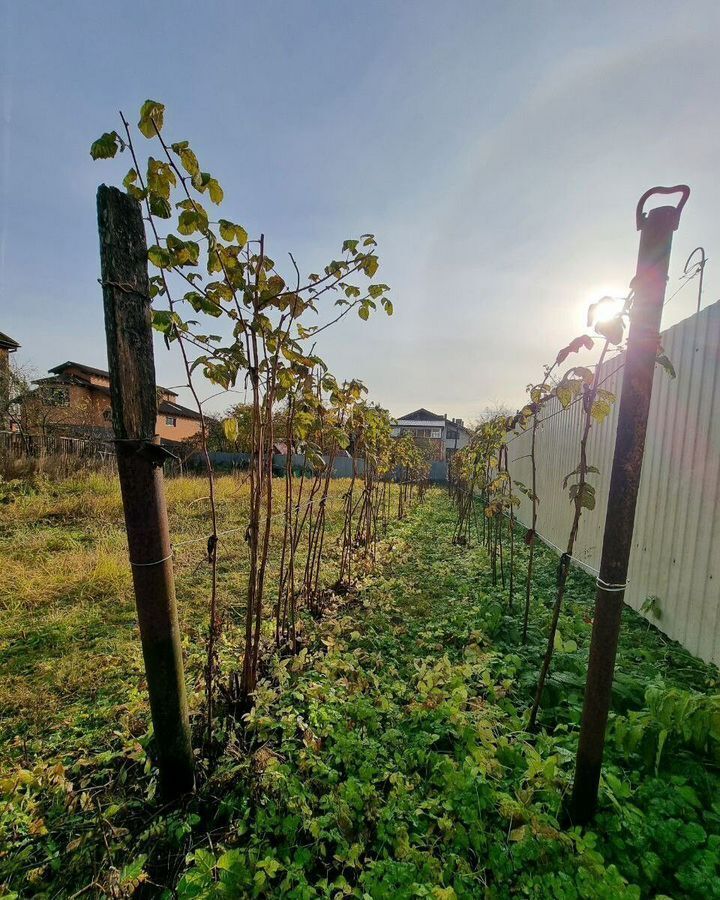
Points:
x=602, y=303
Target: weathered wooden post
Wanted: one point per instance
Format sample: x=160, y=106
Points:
x=126, y=300
x=656, y=232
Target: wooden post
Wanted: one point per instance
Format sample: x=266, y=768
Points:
x=123, y=258
x=656, y=232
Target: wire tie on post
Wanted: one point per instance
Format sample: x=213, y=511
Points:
x=610, y=588
x=156, y=563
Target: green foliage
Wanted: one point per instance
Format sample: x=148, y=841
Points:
x=248, y=292
x=651, y=606
x=664, y=361
x=389, y=757
x=106, y=146
x=151, y=118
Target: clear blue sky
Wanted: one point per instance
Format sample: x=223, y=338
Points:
x=496, y=149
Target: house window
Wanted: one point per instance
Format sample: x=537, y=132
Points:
x=107, y=414
x=171, y=421
x=436, y=433
x=56, y=396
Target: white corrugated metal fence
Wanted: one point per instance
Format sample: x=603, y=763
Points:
x=675, y=556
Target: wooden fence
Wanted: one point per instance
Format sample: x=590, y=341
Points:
x=39, y=448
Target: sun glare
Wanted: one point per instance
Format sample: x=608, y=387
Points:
x=602, y=303
x=605, y=309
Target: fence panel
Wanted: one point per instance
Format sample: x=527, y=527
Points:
x=674, y=556
x=40, y=447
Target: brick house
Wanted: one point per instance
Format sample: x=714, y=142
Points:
x=75, y=400
x=437, y=434
x=7, y=346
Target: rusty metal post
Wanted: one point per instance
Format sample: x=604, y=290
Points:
x=656, y=231
x=123, y=258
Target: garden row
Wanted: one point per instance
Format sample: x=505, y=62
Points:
x=389, y=757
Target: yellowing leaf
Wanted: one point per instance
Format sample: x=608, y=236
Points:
x=151, y=118
x=216, y=192
x=189, y=162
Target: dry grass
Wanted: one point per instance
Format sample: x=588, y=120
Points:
x=69, y=645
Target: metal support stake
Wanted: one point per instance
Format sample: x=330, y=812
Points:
x=656, y=231
x=123, y=257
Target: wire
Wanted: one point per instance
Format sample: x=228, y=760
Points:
x=566, y=408
x=583, y=565
x=296, y=509
x=156, y=563
x=686, y=279
x=579, y=562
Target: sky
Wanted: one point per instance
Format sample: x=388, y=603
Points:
x=497, y=150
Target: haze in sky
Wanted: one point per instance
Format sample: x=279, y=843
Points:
x=496, y=150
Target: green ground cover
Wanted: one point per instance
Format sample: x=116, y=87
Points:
x=389, y=759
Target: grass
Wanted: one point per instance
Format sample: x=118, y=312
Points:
x=68, y=629
x=389, y=759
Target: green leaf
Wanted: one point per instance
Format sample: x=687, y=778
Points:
x=160, y=207
x=364, y=312
x=271, y=865
x=229, y=231
x=160, y=178
x=183, y=252
x=151, y=118
x=193, y=218
x=584, y=493
x=663, y=360
x=160, y=257
x=201, y=303
x=130, y=186
x=165, y=321
x=370, y=265
x=106, y=146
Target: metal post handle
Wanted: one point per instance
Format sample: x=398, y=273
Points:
x=641, y=215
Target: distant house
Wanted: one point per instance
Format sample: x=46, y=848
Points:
x=75, y=400
x=7, y=346
x=438, y=434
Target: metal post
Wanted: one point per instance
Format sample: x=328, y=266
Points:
x=123, y=257
x=656, y=230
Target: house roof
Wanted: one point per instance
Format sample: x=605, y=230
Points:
x=60, y=370
x=7, y=342
x=424, y=415
x=165, y=407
